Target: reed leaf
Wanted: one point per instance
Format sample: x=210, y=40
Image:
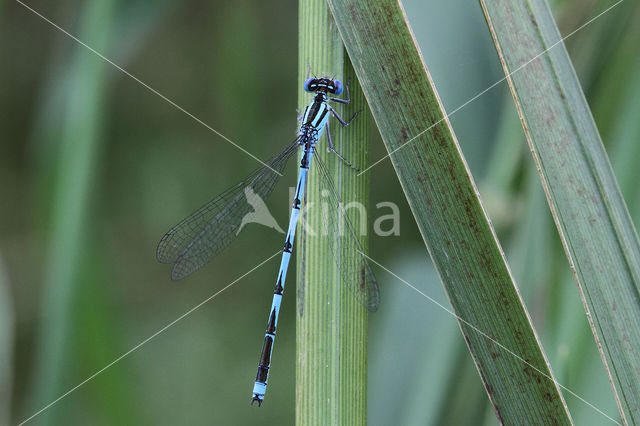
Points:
x=331, y=327
x=598, y=235
x=444, y=201
x=7, y=332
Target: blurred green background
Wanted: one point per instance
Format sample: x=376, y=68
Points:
x=94, y=168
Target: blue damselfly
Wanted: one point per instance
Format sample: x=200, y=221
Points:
x=197, y=239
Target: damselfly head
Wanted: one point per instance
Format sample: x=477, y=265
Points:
x=325, y=85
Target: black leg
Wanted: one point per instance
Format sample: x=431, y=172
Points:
x=332, y=149
x=340, y=119
x=342, y=101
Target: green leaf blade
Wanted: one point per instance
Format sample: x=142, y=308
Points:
x=451, y=219
x=590, y=213
x=331, y=325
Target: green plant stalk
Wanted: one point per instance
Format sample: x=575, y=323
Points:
x=444, y=201
x=590, y=213
x=80, y=142
x=7, y=338
x=331, y=326
x=625, y=149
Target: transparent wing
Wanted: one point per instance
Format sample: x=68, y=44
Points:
x=354, y=269
x=206, y=232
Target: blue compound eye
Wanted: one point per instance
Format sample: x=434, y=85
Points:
x=337, y=87
x=306, y=84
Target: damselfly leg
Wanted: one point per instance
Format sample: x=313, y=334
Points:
x=332, y=149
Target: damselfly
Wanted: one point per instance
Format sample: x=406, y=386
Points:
x=197, y=239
